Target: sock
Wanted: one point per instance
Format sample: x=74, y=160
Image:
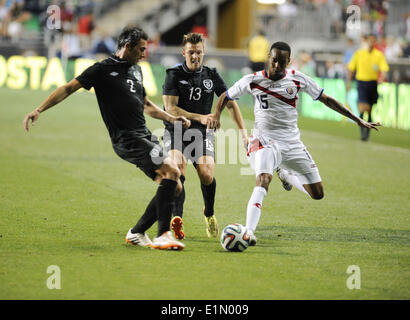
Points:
x=178, y=205
x=208, y=192
x=253, y=211
x=367, y=133
x=147, y=219
x=294, y=181
x=165, y=197
x=362, y=130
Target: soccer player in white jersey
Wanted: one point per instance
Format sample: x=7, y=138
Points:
x=275, y=141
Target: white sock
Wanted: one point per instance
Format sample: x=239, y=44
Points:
x=253, y=211
x=294, y=181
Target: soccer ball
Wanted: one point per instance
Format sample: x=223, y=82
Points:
x=235, y=237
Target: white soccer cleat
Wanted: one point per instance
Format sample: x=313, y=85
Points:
x=282, y=175
x=211, y=226
x=252, y=238
x=138, y=239
x=167, y=242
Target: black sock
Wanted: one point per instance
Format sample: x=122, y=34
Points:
x=208, y=192
x=362, y=130
x=147, y=219
x=368, y=129
x=178, y=208
x=165, y=197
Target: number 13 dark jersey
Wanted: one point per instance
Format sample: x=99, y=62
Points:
x=195, y=89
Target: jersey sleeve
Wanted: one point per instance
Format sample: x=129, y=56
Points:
x=353, y=62
x=384, y=67
x=310, y=86
x=241, y=87
x=219, y=83
x=89, y=76
x=170, y=87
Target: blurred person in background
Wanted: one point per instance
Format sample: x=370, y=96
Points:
x=103, y=44
x=306, y=64
x=393, y=48
x=258, y=49
x=10, y=11
x=371, y=69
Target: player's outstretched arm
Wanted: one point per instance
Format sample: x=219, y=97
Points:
x=54, y=98
x=340, y=108
x=171, y=106
x=236, y=116
x=215, y=122
x=157, y=113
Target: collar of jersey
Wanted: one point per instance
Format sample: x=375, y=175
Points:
x=265, y=74
x=119, y=60
x=185, y=67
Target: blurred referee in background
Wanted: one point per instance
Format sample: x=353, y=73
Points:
x=371, y=67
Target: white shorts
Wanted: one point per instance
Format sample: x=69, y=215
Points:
x=265, y=155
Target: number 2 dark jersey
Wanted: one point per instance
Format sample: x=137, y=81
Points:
x=195, y=89
x=120, y=94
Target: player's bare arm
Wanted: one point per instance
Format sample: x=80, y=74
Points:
x=157, y=113
x=171, y=106
x=340, y=108
x=236, y=116
x=349, y=79
x=220, y=105
x=54, y=98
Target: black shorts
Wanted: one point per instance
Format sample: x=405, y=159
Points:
x=142, y=150
x=193, y=142
x=367, y=91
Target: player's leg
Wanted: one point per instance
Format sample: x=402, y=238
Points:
x=373, y=97
x=303, y=172
x=315, y=190
x=263, y=161
x=205, y=166
x=366, y=95
x=149, y=156
x=181, y=162
x=363, y=108
x=178, y=204
x=169, y=186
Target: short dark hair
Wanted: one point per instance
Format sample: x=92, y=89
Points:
x=133, y=35
x=193, y=38
x=280, y=45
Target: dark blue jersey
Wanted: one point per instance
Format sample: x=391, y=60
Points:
x=195, y=89
x=120, y=94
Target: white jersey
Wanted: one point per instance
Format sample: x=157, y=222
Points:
x=275, y=102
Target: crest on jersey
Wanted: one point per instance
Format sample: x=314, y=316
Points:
x=154, y=153
x=289, y=91
x=208, y=84
x=138, y=76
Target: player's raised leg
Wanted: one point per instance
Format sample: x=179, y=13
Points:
x=308, y=183
x=205, y=166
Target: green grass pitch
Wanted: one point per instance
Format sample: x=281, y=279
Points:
x=66, y=199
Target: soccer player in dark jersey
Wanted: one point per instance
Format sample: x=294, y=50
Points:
x=121, y=97
x=188, y=91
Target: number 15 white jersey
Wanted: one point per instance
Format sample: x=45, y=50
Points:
x=275, y=102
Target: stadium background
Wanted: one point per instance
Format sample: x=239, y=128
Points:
x=67, y=200
x=317, y=30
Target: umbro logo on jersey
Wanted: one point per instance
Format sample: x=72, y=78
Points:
x=183, y=82
x=114, y=74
